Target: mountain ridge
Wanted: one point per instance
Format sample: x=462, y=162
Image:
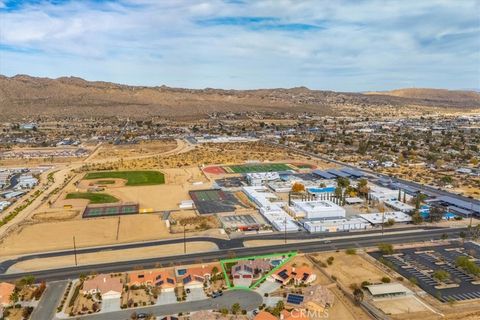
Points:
x=22, y=95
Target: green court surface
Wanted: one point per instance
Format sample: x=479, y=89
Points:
x=134, y=178
x=94, y=198
x=113, y=210
x=258, y=167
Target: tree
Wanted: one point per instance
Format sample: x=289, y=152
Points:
x=390, y=222
x=235, y=308
x=343, y=182
x=436, y=213
x=441, y=275
x=298, y=187
x=358, y=295
x=416, y=217
x=385, y=248
x=446, y=180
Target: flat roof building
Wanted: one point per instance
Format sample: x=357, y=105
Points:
x=388, y=290
x=335, y=225
x=399, y=206
x=317, y=209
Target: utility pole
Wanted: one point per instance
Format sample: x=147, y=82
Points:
x=75, y=251
x=184, y=239
x=285, y=229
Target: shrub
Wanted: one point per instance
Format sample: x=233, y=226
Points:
x=351, y=251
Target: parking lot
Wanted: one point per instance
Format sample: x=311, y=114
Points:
x=421, y=263
x=214, y=201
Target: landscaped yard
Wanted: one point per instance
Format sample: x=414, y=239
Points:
x=95, y=198
x=134, y=178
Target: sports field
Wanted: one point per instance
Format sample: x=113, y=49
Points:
x=258, y=167
x=94, y=198
x=134, y=178
x=113, y=210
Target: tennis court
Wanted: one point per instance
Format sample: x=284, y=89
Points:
x=258, y=167
x=112, y=210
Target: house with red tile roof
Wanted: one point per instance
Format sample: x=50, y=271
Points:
x=295, y=275
x=153, y=278
x=108, y=286
x=294, y=314
x=195, y=277
x=6, y=290
x=264, y=315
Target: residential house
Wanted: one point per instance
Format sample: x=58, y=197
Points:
x=153, y=278
x=195, y=277
x=108, y=286
x=6, y=290
x=295, y=275
x=245, y=271
x=264, y=315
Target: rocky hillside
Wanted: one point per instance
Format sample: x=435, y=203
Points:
x=23, y=95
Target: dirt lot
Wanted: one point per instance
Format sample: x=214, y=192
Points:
x=111, y=256
x=141, y=149
x=401, y=305
x=342, y=308
x=136, y=297
x=88, y=232
x=345, y=273
x=192, y=221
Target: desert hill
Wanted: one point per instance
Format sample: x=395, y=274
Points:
x=433, y=94
x=24, y=95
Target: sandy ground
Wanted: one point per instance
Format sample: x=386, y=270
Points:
x=141, y=149
x=343, y=269
x=110, y=256
x=401, y=305
x=343, y=308
x=88, y=232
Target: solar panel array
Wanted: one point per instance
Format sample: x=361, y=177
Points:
x=295, y=299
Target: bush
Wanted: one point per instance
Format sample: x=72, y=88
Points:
x=386, y=248
x=386, y=280
x=351, y=251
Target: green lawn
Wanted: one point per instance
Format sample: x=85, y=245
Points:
x=94, y=198
x=134, y=178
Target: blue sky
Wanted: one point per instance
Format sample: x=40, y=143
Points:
x=342, y=45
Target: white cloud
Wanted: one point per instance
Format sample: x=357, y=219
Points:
x=357, y=45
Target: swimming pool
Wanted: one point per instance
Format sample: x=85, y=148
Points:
x=321, y=190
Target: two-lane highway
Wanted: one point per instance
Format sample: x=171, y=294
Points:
x=344, y=241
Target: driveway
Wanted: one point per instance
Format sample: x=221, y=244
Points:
x=47, y=306
x=196, y=294
x=109, y=305
x=248, y=300
x=166, y=298
x=267, y=287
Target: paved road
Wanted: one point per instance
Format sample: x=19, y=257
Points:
x=347, y=241
x=221, y=243
x=49, y=301
x=248, y=300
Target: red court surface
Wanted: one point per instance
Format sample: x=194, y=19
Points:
x=214, y=170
